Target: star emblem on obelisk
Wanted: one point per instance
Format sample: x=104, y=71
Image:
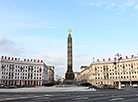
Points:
x=69, y=31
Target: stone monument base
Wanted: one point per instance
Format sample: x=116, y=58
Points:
x=68, y=83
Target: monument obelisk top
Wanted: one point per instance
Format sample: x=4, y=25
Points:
x=69, y=31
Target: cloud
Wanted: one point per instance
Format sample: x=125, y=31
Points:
x=113, y=4
x=7, y=46
x=99, y=4
x=119, y=6
x=110, y=5
x=129, y=3
x=96, y=4
x=136, y=7
x=92, y=4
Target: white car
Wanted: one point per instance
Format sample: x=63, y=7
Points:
x=122, y=85
x=1, y=85
x=135, y=85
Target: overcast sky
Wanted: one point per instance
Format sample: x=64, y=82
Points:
x=39, y=29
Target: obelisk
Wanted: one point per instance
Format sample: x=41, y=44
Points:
x=69, y=76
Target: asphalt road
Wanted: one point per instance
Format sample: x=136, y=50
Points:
x=129, y=95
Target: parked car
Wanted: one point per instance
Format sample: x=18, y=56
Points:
x=95, y=87
x=102, y=87
x=12, y=87
x=123, y=86
x=135, y=86
x=108, y=87
x=92, y=87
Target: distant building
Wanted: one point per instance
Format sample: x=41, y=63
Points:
x=61, y=80
x=27, y=72
x=77, y=76
x=84, y=74
x=51, y=74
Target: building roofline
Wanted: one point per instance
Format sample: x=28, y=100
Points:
x=112, y=61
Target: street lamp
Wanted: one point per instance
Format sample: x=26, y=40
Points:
x=95, y=76
x=130, y=73
x=124, y=70
x=93, y=59
x=118, y=55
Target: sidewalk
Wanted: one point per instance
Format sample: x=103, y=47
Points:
x=46, y=89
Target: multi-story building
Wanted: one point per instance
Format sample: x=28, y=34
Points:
x=77, y=76
x=50, y=74
x=27, y=72
x=112, y=72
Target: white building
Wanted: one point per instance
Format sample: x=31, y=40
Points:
x=27, y=72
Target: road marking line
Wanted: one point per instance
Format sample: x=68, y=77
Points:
x=129, y=100
x=82, y=98
x=116, y=99
x=7, y=99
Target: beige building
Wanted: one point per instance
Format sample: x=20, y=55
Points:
x=112, y=71
x=82, y=76
x=77, y=76
x=51, y=74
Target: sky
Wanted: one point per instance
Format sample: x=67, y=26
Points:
x=38, y=29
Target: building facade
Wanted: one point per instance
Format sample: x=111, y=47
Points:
x=51, y=74
x=112, y=72
x=77, y=76
x=27, y=72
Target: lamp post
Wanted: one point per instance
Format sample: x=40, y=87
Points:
x=95, y=76
x=124, y=69
x=93, y=59
x=118, y=55
x=22, y=76
x=130, y=74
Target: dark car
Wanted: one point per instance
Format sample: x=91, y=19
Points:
x=108, y=87
x=12, y=87
x=94, y=87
